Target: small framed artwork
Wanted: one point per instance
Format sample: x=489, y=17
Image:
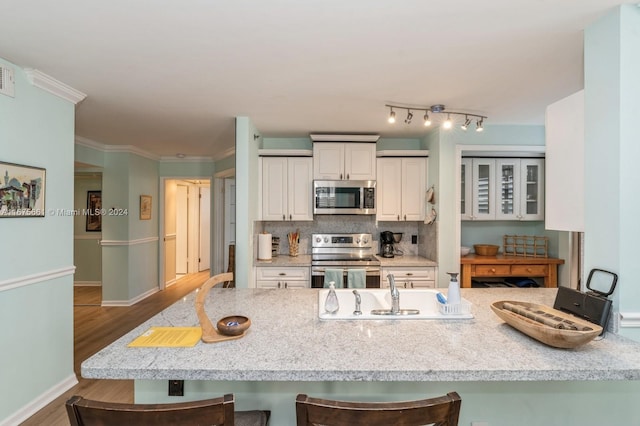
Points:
x=145, y=207
x=94, y=211
x=22, y=190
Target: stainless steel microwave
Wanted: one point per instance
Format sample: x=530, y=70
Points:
x=344, y=197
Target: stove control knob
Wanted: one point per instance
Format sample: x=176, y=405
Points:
x=326, y=239
x=365, y=240
x=358, y=240
x=318, y=239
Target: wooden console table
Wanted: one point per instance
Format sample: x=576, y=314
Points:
x=500, y=265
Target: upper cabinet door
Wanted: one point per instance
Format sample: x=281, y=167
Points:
x=360, y=161
x=274, y=188
x=300, y=188
x=508, y=189
x=414, y=183
x=532, y=189
x=466, y=185
x=328, y=161
x=388, y=189
x=483, y=190
x=344, y=161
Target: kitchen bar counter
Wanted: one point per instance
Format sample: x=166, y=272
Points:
x=307, y=349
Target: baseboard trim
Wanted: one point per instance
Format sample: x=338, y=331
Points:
x=40, y=402
x=87, y=283
x=629, y=319
x=36, y=278
x=131, y=301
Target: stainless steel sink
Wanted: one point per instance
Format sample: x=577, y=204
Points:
x=415, y=304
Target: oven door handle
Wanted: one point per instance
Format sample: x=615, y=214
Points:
x=368, y=270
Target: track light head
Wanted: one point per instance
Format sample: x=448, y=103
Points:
x=479, y=127
x=427, y=120
x=409, y=117
x=392, y=116
x=447, y=123
x=466, y=124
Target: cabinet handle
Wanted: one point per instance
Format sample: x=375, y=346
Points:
x=290, y=216
x=285, y=285
x=405, y=217
x=284, y=217
x=340, y=176
x=279, y=284
x=347, y=176
x=398, y=217
x=411, y=284
x=409, y=274
x=282, y=274
x=493, y=270
x=528, y=269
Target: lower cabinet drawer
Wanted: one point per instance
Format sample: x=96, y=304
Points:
x=529, y=270
x=294, y=273
x=491, y=270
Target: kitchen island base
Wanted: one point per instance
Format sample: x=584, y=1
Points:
x=561, y=403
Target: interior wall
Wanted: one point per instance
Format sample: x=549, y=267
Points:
x=87, y=253
x=36, y=280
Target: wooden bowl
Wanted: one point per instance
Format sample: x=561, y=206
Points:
x=485, y=249
x=556, y=337
x=233, y=325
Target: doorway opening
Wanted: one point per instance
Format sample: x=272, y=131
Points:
x=185, y=227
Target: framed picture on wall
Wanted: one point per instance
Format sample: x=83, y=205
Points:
x=22, y=190
x=145, y=207
x=94, y=211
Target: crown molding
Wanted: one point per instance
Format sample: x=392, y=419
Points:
x=187, y=159
x=51, y=85
x=224, y=154
x=345, y=137
x=130, y=149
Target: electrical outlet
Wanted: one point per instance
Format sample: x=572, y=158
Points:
x=414, y=239
x=176, y=387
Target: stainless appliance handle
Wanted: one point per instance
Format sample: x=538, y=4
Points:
x=361, y=198
x=369, y=270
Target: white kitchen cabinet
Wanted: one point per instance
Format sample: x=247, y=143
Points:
x=401, y=187
x=502, y=189
x=410, y=277
x=287, y=188
x=344, y=161
x=283, y=277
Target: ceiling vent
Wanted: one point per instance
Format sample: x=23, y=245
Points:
x=7, y=85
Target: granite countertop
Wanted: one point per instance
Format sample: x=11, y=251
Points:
x=406, y=261
x=308, y=349
x=284, y=260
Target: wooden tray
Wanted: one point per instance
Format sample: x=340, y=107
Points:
x=545, y=333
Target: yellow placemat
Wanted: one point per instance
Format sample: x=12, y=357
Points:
x=168, y=337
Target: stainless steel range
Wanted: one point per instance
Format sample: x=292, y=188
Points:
x=343, y=251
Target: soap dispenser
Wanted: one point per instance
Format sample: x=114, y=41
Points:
x=453, y=295
x=331, y=302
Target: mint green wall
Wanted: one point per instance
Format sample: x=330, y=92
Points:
x=225, y=164
x=612, y=67
x=247, y=186
x=86, y=155
x=130, y=267
x=186, y=169
x=287, y=143
x=36, y=129
x=87, y=254
x=393, y=143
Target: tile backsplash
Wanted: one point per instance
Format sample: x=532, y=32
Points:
x=325, y=224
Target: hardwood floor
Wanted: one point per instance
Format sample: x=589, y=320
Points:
x=96, y=327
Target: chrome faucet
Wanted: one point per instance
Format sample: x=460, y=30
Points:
x=358, y=301
x=395, y=295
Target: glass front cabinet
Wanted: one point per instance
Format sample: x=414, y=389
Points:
x=502, y=189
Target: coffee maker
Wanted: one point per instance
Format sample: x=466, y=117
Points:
x=386, y=244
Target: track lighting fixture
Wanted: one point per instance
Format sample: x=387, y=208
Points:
x=438, y=109
x=392, y=116
x=467, y=121
x=427, y=120
x=409, y=117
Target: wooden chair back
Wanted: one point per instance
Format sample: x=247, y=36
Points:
x=216, y=411
x=439, y=411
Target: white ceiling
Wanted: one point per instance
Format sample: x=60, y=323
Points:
x=170, y=76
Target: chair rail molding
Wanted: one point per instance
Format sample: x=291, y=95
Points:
x=36, y=278
x=128, y=242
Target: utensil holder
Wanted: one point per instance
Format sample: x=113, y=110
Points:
x=293, y=249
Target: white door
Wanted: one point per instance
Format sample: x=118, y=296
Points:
x=169, y=237
x=299, y=188
x=229, y=217
x=204, y=255
x=182, y=228
x=414, y=182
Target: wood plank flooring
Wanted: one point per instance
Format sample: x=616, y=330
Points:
x=96, y=327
